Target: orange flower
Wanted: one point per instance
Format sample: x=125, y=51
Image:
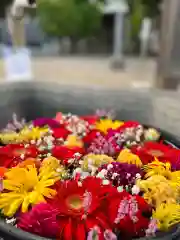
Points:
x=2, y=171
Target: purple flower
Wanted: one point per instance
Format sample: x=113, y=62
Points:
x=40, y=122
x=105, y=114
x=152, y=228
x=175, y=165
x=122, y=174
x=15, y=125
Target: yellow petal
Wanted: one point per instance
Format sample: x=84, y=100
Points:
x=46, y=183
x=49, y=193
x=25, y=204
x=104, y=124
x=13, y=207
x=126, y=156
x=33, y=197
x=10, y=195
x=10, y=185
x=32, y=176
x=73, y=141
x=17, y=175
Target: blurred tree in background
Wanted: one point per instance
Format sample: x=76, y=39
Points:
x=69, y=18
x=4, y=5
x=138, y=10
x=136, y=15
x=152, y=7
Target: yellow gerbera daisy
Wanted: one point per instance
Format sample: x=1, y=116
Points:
x=25, y=186
x=8, y=137
x=126, y=156
x=94, y=161
x=104, y=124
x=34, y=133
x=163, y=169
x=157, y=190
x=24, y=135
x=158, y=168
x=73, y=141
x=167, y=215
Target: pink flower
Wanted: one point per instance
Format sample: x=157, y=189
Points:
x=41, y=220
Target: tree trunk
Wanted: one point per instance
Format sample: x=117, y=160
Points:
x=17, y=30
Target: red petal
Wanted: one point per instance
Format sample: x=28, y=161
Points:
x=80, y=233
x=90, y=119
x=128, y=124
x=60, y=133
x=68, y=233
x=90, y=136
x=59, y=117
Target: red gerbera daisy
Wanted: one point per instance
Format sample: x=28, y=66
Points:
x=91, y=136
x=91, y=119
x=67, y=154
x=60, y=133
x=130, y=215
x=128, y=124
x=151, y=150
x=41, y=220
x=82, y=207
x=13, y=154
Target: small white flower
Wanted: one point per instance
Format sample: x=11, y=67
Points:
x=77, y=170
x=104, y=171
x=128, y=175
x=10, y=221
x=120, y=189
x=71, y=160
x=105, y=182
x=114, y=175
x=93, y=170
x=109, y=166
x=85, y=174
x=58, y=170
x=81, y=162
x=33, y=141
x=79, y=184
x=100, y=175
x=135, y=190
x=39, y=141
x=49, y=155
x=138, y=176
x=77, y=154
x=90, y=161
x=22, y=156
x=61, y=139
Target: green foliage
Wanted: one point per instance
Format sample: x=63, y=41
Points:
x=152, y=7
x=72, y=18
x=4, y=5
x=138, y=10
x=136, y=18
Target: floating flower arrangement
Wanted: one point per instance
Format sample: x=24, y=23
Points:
x=88, y=177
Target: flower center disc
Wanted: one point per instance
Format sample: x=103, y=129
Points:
x=19, y=151
x=75, y=202
x=156, y=153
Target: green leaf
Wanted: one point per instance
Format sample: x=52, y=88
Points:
x=75, y=18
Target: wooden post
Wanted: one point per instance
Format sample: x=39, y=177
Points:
x=168, y=72
x=16, y=28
